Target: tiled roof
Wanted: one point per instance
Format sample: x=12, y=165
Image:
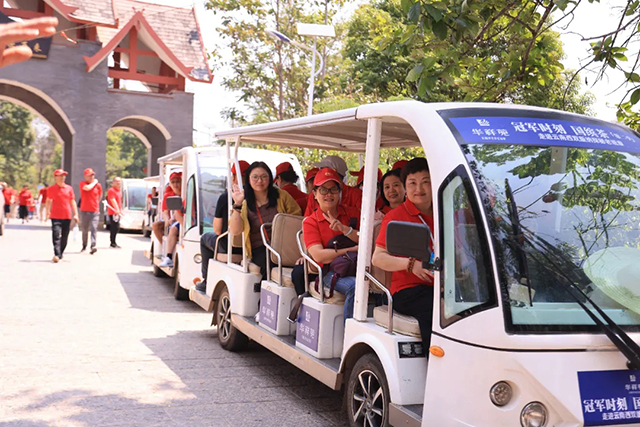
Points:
x=98, y=11
x=176, y=27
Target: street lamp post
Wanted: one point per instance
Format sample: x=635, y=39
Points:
x=315, y=31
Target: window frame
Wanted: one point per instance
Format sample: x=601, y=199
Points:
x=192, y=178
x=492, y=302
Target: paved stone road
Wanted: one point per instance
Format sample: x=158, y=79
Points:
x=98, y=341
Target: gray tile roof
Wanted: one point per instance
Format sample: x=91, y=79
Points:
x=93, y=10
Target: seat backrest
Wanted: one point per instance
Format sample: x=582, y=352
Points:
x=283, y=238
x=236, y=240
x=383, y=276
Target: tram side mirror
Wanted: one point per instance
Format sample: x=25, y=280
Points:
x=174, y=203
x=410, y=240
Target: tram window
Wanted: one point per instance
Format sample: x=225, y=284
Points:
x=466, y=285
x=191, y=214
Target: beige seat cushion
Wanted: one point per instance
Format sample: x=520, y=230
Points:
x=254, y=268
x=286, y=276
x=235, y=258
x=337, y=297
x=283, y=238
x=405, y=325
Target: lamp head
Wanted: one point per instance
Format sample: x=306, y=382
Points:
x=277, y=36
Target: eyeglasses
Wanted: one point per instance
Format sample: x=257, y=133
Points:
x=324, y=190
x=257, y=178
x=176, y=181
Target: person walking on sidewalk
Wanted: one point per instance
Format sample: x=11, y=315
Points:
x=61, y=209
x=42, y=195
x=24, y=198
x=9, y=195
x=114, y=209
x=90, y=196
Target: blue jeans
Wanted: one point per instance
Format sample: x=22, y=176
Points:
x=347, y=287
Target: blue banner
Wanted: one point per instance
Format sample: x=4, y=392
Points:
x=545, y=132
x=610, y=397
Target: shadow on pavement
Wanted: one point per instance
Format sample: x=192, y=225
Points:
x=13, y=226
x=138, y=258
x=147, y=292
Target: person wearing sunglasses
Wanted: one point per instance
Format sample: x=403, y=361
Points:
x=256, y=204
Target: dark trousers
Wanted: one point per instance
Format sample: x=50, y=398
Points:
x=60, y=235
x=114, y=227
x=297, y=277
x=23, y=211
x=417, y=302
x=208, y=243
x=259, y=257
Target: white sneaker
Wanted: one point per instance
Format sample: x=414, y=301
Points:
x=166, y=262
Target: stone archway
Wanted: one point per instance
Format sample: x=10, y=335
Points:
x=47, y=109
x=152, y=134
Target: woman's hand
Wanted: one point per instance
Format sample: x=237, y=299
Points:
x=378, y=216
x=422, y=273
x=237, y=194
x=300, y=261
x=335, y=224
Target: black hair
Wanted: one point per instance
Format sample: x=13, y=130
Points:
x=272, y=192
x=392, y=172
x=419, y=164
x=289, y=176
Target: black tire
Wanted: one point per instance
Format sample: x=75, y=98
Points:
x=158, y=272
x=367, y=394
x=179, y=293
x=230, y=338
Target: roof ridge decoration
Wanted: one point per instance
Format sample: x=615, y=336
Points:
x=139, y=20
x=70, y=12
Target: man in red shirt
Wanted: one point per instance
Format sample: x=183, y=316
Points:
x=24, y=198
x=351, y=196
x=90, y=196
x=61, y=208
x=42, y=196
x=286, y=179
x=308, y=179
x=9, y=199
x=114, y=209
x=411, y=284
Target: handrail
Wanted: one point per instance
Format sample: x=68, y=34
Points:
x=215, y=251
x=307, y=258
x=263, y=234
x=389, y=298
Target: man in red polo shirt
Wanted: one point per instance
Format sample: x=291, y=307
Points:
x=411, y=284
x=90, y=196
x=24, y=198
x=61, y=208
x=114, y=209
x=42, y=196
x=9, y=199
x=351, y=196
x=286, y=179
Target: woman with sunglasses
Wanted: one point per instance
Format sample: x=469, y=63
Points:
x=330, y=220
x=257, y=204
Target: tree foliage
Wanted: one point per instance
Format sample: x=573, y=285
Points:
x=126, y=155
x=16, y=144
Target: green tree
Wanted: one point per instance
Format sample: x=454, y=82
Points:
x=16, y=144
x=126, y=155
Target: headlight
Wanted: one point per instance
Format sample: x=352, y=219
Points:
x=501, y=393
x=197, y=258
x=533, y=414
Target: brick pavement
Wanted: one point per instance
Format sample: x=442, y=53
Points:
x=98, y=341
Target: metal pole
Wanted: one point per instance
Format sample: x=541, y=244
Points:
x=313, y=77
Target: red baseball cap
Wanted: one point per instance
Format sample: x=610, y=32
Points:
x=360, y=175
x=311, y=174
x=89, y=171
x=175, y=175
x=283, y=167
x=326, y=175
x=399, y=164
x=243, y=167
x=59, y=172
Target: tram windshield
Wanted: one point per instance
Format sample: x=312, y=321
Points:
x=564, y=220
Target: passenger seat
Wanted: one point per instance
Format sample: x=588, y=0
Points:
x=283, y=240
x=236, y=242
x=405, y=325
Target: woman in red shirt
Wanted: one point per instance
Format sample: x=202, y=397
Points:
x=393, y=192
x=411, y=285
x=24, y=198
x=330, y=220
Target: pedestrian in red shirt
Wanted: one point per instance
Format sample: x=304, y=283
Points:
x=9, y=199
x=61, y=208
x=411, y=284
x=42, y=199
x=286, y=179
x=351, y=196
x=114, y=209
x=24, y=198
x=90, y=196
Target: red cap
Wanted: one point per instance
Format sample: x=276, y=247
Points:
x=243, y=167
x=326, y=175
x=89, y=171
x=311, y=174
x=399, y=164
x=59, y=172
x=175, y=175
x=283, y=167
x=360, y=175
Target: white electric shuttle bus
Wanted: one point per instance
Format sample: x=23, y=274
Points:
x=204, y=176
x=536, y=257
